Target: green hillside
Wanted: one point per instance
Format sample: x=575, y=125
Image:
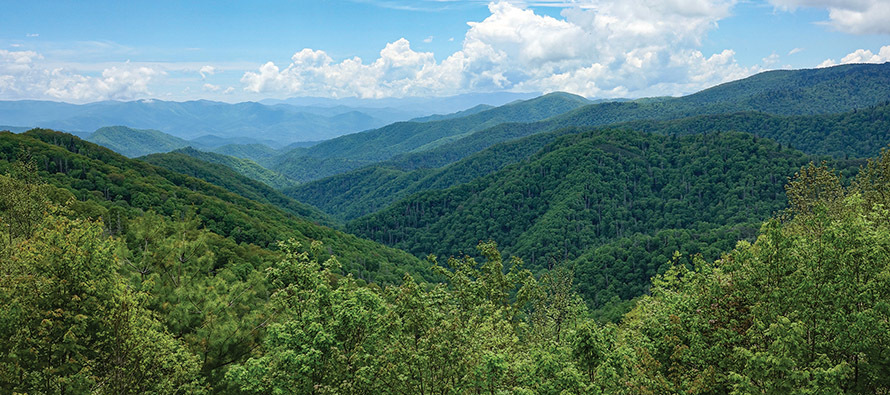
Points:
x=698, y=193
x=182, y=161
x=254, y=152
x=359, y=192
x=135, y=142
x=689, y=245
x=356, y=150
x=245, y=167
x=459, y=114
x=859, y=133
x=102, y=179
x=169, y=307
x=786, y=92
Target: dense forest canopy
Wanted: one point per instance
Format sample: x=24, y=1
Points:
x=799, y=310
x=733, y=241
x=854, y=134
x=101, y=181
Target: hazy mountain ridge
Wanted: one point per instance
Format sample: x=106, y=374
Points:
x=856, y=133
x=283, y=124
x=355, y=150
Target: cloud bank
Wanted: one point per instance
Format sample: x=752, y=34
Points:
x=848, y=16
x=861, y=56
x=596, y=48
x=599, y=48
x=22, y=76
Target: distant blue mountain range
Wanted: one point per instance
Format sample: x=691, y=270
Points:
x=273, y=122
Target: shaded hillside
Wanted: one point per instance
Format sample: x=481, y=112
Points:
x=254, y=152
x=135, y=142
x=859, y=133
x=244, y=167
x=182, y=161
x=363, y=191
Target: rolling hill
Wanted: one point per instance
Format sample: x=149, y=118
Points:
x=595, y=188
x=355, y=150
x=859, y=133
x=135, y=142
x=102, y=181
x=192, y=163
x=783, y=92
x=244, y=167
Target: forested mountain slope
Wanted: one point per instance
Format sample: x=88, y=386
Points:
x=254, y=152
x=102, y=180
x=118, y=276
x=858, y=133
x=363, y=191
x=859, y=90
x=168, y=307
x=583, y=191
x=351, y=151
x=784, y=92
x=135, y=142
x=458, y=114
x=245, y=167
x=182, y=161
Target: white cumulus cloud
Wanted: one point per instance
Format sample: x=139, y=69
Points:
x=596, y=48
x=23, y=76
x=849, y=16
x=207, y=70
x=861, y=56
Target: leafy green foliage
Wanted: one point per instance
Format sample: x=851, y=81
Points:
x=801, y=310
x=468, y=336
x=68, y=322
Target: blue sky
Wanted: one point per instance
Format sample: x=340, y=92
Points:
x=81, y=51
